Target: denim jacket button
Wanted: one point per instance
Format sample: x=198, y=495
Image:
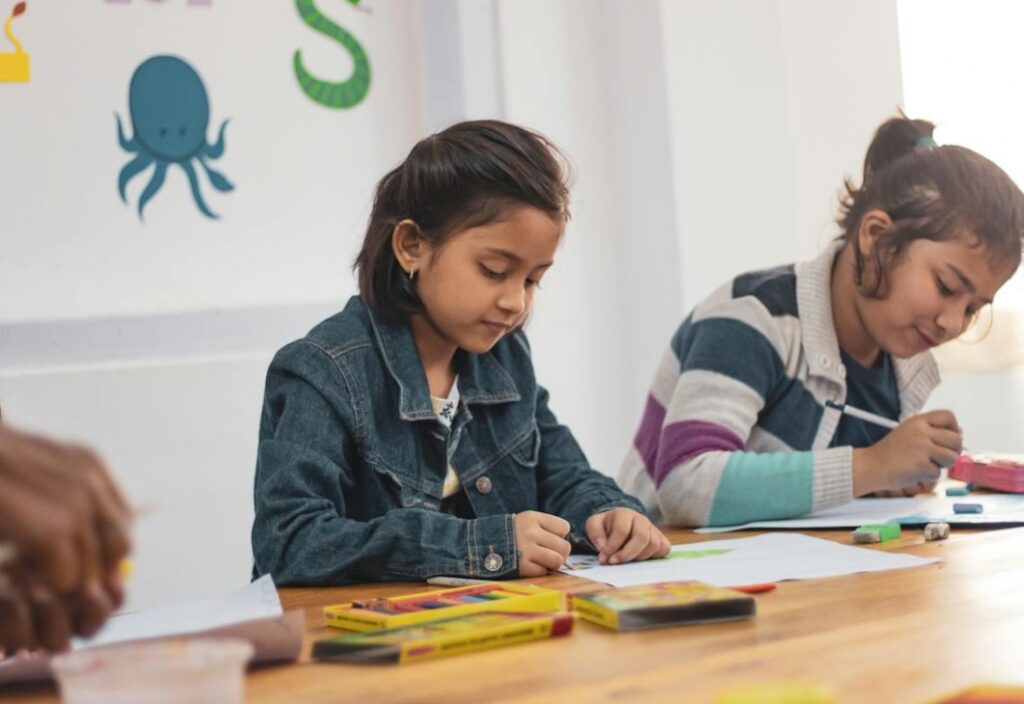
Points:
x=483, y=485
x=493, y=562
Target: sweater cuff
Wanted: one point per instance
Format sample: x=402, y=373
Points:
x=833, y=477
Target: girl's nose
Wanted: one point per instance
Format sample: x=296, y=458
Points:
x=513, y=299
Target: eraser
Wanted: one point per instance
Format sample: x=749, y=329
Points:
x=936, y=531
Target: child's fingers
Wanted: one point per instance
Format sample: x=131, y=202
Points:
x=529, y=568
x=654, y=546
x=942, y=419
x=553, y=542
x=554, y=524
x=948, y=438
x=666, y=545
x=618, y=534
x=639, y=538
x=942, y=457
x=597, y=531
x=550, y=560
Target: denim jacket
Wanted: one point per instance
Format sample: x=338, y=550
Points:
x=352, y=460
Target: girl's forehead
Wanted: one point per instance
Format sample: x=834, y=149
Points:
x=527, y=235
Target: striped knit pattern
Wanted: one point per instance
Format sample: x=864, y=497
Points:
x=735, y=427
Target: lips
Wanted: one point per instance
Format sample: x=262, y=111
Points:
x=497, y=328
x=927, y=339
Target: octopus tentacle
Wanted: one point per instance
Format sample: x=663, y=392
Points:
x=133, y=167
x=153, y=186
x=196, y=195
x=219, y=180
x=128, y=145
x=215, y=150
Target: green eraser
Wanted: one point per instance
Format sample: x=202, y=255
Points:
x=886, y=531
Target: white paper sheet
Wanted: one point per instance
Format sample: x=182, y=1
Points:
x=252, y=612
x=999, y=509
x=773, y=557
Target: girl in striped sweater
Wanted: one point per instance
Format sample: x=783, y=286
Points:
x=741, y=422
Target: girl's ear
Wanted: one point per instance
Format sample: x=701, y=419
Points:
x=872, y=225
x=409, y=246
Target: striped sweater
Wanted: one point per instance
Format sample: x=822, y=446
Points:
x=735, y=427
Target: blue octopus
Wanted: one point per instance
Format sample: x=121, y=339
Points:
x=170, y=114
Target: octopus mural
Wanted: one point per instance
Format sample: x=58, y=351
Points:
x=170, y=114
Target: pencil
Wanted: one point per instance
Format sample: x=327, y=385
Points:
x=866, y=416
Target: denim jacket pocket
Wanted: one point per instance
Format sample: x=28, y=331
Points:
x=527, y=452
x=404, y=491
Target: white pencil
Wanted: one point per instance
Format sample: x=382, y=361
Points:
x=863, y=415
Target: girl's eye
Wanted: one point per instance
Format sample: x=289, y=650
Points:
x=531, y=283
x=943, y=288
x=491, y=273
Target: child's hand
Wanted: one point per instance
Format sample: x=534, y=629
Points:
x=913, y=453
x=540, y=538
x=622, y=535
x=913, y=490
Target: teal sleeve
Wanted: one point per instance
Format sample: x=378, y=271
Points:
x=763, y=487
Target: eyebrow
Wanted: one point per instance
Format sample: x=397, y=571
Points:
x=968, y=284
x=514, y=258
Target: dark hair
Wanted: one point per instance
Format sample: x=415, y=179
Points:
x=465, y=176
x=930, y=192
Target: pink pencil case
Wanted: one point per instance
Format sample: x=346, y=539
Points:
x=999, y=472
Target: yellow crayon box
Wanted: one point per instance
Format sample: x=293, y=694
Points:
x=663, y=604
x=453, y=636
x=423, y=607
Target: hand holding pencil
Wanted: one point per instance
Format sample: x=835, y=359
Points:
x=914, y=452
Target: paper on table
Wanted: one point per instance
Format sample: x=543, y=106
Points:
x=773, y=557
x=252, y=612
x=999, y=509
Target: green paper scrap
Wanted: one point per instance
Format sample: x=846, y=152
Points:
x=693, y=554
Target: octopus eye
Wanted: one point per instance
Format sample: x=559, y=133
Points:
x=181, y=131
x=163, y=131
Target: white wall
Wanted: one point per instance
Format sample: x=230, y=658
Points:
x=707, y=138
x=150, y=340
x=964, y=90
x=772, y=104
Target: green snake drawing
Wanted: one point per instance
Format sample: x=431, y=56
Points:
x=338, y=95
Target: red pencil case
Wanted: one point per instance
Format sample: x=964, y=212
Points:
x=999, y=472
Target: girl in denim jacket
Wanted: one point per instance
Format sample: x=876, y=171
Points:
x=407, y=436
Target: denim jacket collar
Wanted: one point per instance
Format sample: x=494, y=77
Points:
x=482, y=378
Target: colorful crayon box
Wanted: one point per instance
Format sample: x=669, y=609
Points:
x=453, y=636
x=992, y=471
x=663, y=604
x=422, y=607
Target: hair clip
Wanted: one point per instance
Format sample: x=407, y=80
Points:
x=927, y=142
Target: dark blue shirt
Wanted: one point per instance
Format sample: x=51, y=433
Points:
x=871, y=389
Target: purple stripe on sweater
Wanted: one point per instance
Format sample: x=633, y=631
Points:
x=649, y=433
x=688, y=438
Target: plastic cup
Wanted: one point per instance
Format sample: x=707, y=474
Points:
x=192, y=670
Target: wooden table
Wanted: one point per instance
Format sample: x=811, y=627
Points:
x=899, y=636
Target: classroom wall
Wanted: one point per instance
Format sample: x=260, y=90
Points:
x=149, y=338
x=707, y=137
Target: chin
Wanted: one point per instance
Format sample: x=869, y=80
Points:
x=478, y=346
x=904, y=350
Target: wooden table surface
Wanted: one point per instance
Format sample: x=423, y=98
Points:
x=899, y=636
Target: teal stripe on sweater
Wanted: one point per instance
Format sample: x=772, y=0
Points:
x=763, y=487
